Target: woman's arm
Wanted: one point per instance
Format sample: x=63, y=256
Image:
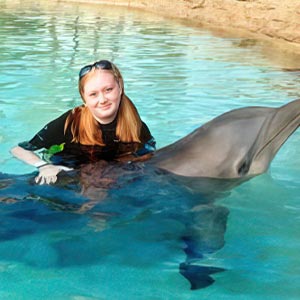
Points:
x=27, y=156
x=47, y=172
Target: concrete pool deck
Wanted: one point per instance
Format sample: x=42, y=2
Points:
x=277, y=21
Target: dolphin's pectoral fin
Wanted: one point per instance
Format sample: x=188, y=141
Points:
x=198, y=276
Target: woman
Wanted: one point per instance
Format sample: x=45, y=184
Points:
x=106, y=127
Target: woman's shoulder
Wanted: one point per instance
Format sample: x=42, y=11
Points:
x=64, y=115
x=59, y=122
x=145, y=129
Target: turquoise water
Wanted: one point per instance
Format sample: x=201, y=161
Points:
x=179, y=77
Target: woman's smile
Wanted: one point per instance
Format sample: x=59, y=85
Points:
x=104, y=106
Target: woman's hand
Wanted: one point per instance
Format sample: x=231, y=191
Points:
x=48, y=173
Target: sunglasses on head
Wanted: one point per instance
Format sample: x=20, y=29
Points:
x=101, y=64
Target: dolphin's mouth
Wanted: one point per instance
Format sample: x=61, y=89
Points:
x=278, y=133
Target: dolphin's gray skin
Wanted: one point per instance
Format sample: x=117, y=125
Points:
x=239, y=143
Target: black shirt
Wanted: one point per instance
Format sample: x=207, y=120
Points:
x=71, y=154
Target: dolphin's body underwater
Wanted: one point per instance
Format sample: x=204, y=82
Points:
x=219, y=155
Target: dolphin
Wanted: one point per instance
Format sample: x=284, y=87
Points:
x=237, y=144
x=221, y=154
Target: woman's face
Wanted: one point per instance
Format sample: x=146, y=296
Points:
x=102, y=95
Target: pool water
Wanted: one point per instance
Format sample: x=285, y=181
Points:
x=179, y=76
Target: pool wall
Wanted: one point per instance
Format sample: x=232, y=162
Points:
x=271, y=19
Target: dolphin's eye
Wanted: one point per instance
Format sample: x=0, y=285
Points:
x=243, y=168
